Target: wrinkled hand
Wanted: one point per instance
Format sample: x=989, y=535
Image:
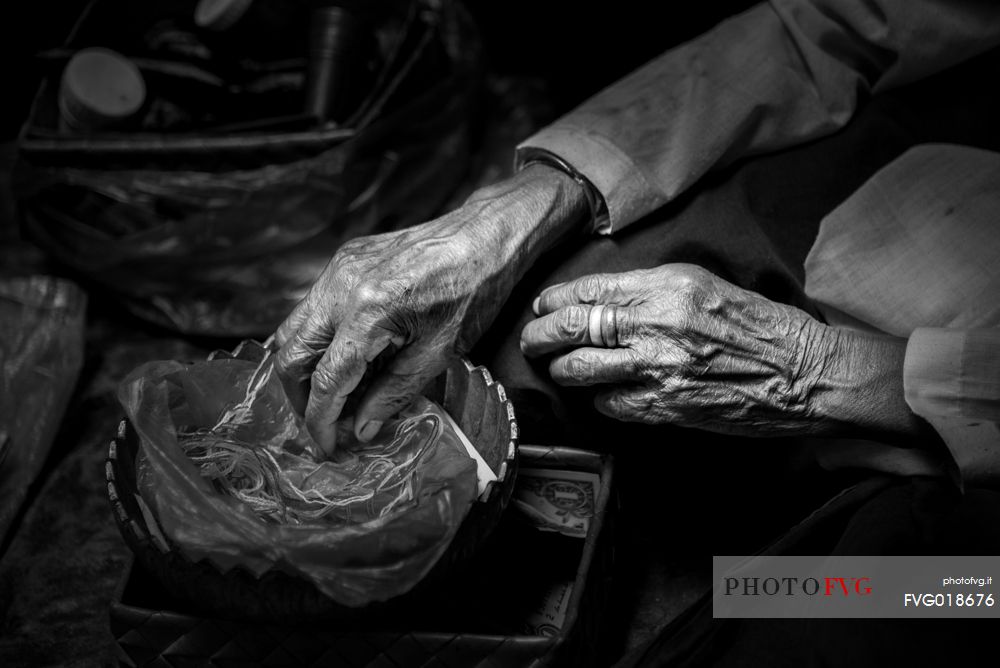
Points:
x=413, y=299
x=695, y=350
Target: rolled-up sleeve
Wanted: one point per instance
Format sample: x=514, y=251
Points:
x=779, y=74
x=951, y=378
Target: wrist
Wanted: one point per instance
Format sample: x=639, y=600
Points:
x=859, y=388
x=559, y=204
x=529, y=213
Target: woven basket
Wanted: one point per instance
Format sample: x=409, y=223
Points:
x=470, y=395
x=468, y=623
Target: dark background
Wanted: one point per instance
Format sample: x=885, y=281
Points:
x=576, y=48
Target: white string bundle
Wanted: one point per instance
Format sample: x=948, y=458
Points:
x=251, y=473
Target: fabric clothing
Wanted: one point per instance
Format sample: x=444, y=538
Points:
x=918, y=247
x=778, y=75
x=915, y=252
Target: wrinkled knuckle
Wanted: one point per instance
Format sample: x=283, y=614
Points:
x=284, y=361
x=574, y=321
x=579, y=367
x=369, y=295
x=292, y=357
x=626, y=403
x=690, y=279
x=623, y=405
x=625, y=325
x=324, y=380
x=685, y=288
x=642, y=408
x=692, y=271
x=588, y=288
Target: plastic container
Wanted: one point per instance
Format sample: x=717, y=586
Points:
x=100, y=90
x=335, y=54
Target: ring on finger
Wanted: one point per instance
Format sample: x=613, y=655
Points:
x=609, y=326
x=595, y=325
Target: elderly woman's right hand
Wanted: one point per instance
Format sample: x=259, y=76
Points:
x=415, y=298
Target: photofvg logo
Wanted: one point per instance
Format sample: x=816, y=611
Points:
x=853, y=586
x=793, y=586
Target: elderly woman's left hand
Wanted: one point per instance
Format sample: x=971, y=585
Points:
x=678, y=344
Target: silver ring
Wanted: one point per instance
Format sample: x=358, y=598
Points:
x=596, y=317
x=609, y=326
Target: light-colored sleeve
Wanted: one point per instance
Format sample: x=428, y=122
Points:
x=918, y=245
x=951, y=379
x=915, y=253
x=779, y=74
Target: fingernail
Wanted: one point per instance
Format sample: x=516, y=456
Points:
x=537, y=305
x=328, y=449
x=325, y=439
x=369, y=430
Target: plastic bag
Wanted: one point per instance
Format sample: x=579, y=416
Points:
x=41, y=352
x=373, y=547
x=222, y=233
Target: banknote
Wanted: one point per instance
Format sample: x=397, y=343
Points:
x=557, y=499
x=548, y=618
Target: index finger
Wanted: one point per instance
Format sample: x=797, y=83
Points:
x=291, y=324
x=590, y=289
x=564, y=328
x=298, y=354
x=337, y=374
